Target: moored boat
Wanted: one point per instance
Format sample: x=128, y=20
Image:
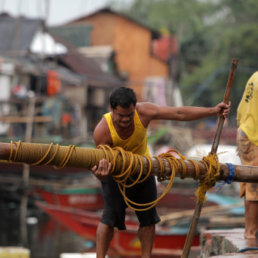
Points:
x=168, y=240
x=171, y=232
x=89, y=198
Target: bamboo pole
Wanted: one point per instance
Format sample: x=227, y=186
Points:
x=215, y=144
x=93, y=156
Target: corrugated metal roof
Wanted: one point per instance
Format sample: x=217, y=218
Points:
x=32, y=66
x=78, y=35
x=16, y=34
x=87, y=67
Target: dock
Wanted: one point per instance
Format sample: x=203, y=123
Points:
x=14, y=252
x=228, y=243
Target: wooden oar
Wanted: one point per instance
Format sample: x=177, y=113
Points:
x=214, y=148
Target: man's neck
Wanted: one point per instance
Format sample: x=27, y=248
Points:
x=123, y=132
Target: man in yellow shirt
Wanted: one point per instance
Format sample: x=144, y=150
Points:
x=126, y=126
x=247, y=143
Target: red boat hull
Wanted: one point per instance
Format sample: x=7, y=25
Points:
x=126, y=242
x=89, y=201
x=91, y=198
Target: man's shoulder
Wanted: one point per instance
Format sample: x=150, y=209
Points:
x=101, y=132
x=146, y=112
x=144, y=107
x=102, y=125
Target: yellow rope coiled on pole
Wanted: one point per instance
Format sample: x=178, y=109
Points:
x=131, y=164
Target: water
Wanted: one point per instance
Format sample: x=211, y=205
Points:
x=50, y=239
x=45, y=238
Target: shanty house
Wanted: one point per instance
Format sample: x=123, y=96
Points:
x=64, y=82
x=132, y=45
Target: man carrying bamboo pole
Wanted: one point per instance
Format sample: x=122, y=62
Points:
x=126, y=126
x=247, y=143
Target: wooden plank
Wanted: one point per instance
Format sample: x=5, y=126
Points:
x=187, y=213
x=25, y=119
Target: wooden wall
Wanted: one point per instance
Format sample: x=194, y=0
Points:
x=132, y=44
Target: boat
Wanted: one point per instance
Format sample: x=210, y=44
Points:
x=88, y=197
x=168, y=240
x=171, y=231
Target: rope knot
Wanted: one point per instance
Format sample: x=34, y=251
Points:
x=209, y=180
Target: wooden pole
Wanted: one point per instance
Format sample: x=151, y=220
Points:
x=198, y=207
x=92, y=157
x=26, y=171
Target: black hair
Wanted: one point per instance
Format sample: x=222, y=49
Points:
x=123, y=97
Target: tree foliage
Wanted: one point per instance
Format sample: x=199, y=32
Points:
x=210, y=34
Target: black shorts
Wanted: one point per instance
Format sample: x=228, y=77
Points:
x=114, y=205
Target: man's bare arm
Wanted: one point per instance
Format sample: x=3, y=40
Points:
x=149, y=111
x=102, y=136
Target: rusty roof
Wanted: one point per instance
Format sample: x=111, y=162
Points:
x=154, y=33
x=86, y=67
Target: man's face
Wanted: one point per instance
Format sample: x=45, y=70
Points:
x=123, y=117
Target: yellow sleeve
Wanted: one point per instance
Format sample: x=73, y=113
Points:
x=249, y=101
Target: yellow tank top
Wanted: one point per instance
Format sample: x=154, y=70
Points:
x=136, y=143
x=247, y=117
